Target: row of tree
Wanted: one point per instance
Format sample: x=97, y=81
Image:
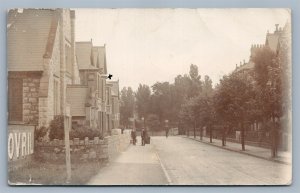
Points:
x=239, y=99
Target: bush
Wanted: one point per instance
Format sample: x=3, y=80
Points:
x=40, y=133
x=57, y=128
x=152, y=122
x=81, y=132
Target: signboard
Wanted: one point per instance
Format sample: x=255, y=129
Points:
x=20, y=141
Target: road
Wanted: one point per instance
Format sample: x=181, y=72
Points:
x=182, y=161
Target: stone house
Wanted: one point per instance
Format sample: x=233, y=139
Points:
x=90, y=100
x=115, y=104
x=41, y=63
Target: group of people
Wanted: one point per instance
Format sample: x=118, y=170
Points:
x=144, y=136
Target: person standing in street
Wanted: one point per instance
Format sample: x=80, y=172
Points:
x=167, y=132
x=133, y=136
x=143, y=136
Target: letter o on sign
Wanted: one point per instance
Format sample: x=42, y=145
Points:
x=11, y=146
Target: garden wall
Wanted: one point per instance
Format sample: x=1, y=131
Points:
x=83, y=150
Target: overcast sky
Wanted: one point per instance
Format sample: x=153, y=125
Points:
x=150, y=45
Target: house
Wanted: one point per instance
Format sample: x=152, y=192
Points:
x=115, y=104
x=41, y=63
x=90, y=100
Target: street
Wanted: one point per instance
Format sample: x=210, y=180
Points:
x=181, y=161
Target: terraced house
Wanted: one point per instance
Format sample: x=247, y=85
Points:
x=49, y=74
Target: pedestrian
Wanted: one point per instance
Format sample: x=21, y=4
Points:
x=143, y=136
x=133, y=136
x=167, y=132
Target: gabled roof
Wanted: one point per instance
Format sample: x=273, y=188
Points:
x=84, y=55
x=101, y=58
x=27, y=36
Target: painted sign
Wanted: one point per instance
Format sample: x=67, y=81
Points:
x=20, y=141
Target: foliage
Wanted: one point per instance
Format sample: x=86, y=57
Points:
x=195, y=82
x=143, y=97
x=268, y=80
x=57, y=128
x=40, y=133
x=127, y=103
x=81, y=132
x=153, y=122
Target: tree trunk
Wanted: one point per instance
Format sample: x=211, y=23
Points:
x=201, y=133
x=274, y=136
x=223, y=137
x=210, y=134
x=243, y=136
x=188, y=132
x=194, y=129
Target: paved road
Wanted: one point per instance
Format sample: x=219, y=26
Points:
x=190, y=162
x=182, y=161
x=138, y=165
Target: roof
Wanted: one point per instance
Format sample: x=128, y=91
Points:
x=77, y=98
x=101, y=58
x=84, y=55
x=27, y=36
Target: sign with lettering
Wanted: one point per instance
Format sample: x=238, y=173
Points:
x=20, y=141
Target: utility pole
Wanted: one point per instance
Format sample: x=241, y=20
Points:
x=67, y=148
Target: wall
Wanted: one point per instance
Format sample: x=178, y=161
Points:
x=30, y=100
x=83, y=150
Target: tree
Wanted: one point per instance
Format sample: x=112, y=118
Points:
x=153, y=122
x=126, y=105
x=233, y=101
x=162, y=101
x=268, y=75
x=143, y=97
x=195, y=82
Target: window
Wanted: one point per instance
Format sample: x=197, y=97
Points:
x=15, y=99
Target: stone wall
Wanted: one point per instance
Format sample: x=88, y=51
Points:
x=31, y=100
x=83, y=150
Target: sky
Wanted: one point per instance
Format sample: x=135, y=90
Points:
x=149, y=45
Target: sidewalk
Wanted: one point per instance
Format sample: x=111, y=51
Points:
x=138, y=165
x=259, y=152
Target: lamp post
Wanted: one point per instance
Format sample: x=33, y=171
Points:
x=143, y=119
